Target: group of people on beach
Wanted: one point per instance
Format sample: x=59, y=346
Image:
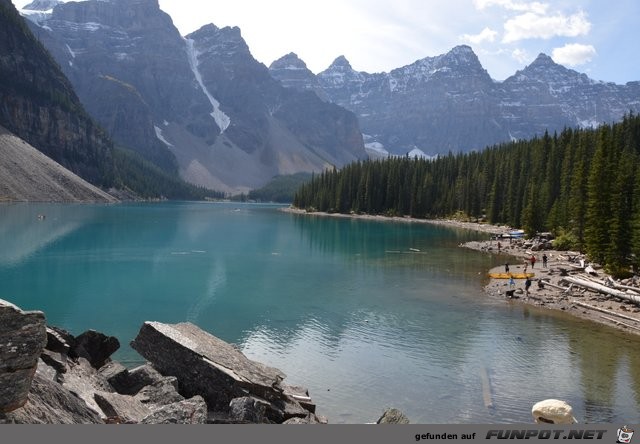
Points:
x=530, y=260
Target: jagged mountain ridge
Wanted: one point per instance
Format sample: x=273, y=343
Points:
x=450, y=103
x=201, y=105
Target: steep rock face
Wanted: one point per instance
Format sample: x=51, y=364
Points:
x=264, y=132
x=449, y=102
x=38, y=104
x=126, y=61
x=200, y=104
x=257, y=106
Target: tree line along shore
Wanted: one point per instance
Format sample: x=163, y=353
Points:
x=581, y=185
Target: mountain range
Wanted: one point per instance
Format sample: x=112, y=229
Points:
x=202, y=107
x=199, y=105
x=450, y=103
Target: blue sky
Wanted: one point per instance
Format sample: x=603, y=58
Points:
x=599, y=38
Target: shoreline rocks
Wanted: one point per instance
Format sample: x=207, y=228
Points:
x=22, y=339
x=551, y=288
x=229, y=382
x=48, y=376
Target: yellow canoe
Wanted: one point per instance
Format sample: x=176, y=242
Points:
x=511, y=275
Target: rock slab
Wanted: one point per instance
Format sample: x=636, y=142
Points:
x=206, y=365
x=22, y=338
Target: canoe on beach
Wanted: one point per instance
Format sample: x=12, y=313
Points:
x=511, y=275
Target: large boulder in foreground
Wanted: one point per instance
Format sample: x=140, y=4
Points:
x=206, y=365
x=23, y=335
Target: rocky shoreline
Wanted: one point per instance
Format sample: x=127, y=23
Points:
x=599, y=305
x=48, y=376
x=562, y=284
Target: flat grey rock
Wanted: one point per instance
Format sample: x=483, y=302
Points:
x=206, y=365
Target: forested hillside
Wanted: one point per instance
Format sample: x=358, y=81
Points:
x=582, y=185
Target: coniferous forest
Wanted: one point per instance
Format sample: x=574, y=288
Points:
x=581, y=185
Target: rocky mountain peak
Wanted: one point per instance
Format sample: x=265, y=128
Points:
x=127, y=14
x=292, y=72
x=544, y=70
x=340, y=73
x=543, y=60
x=222, y=41
x=543, y=65
x=290, y=61
x=39, y=10
x=42, y=5
x=462, y=55
x=340, y=64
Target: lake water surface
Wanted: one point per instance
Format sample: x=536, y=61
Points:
x=345, y=307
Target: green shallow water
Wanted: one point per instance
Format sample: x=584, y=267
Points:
x=342, y=306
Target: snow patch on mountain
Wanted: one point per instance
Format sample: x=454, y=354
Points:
x=376, y=146
x=222, y=120
x=160, y=136
x=588, y=124
x=37, y=17
x=417, y=153
x=73, y=54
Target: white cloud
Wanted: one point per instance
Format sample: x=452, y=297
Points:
x=520, y=55
x=486, y=35
x=535, y=7
x=531, y=25
x=573, y=54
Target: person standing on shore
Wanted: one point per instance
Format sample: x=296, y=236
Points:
x=506, y=267
x=544, y=260
x=533, y=261
x=527, y=284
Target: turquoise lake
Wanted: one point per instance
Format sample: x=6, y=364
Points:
x=347, y=308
